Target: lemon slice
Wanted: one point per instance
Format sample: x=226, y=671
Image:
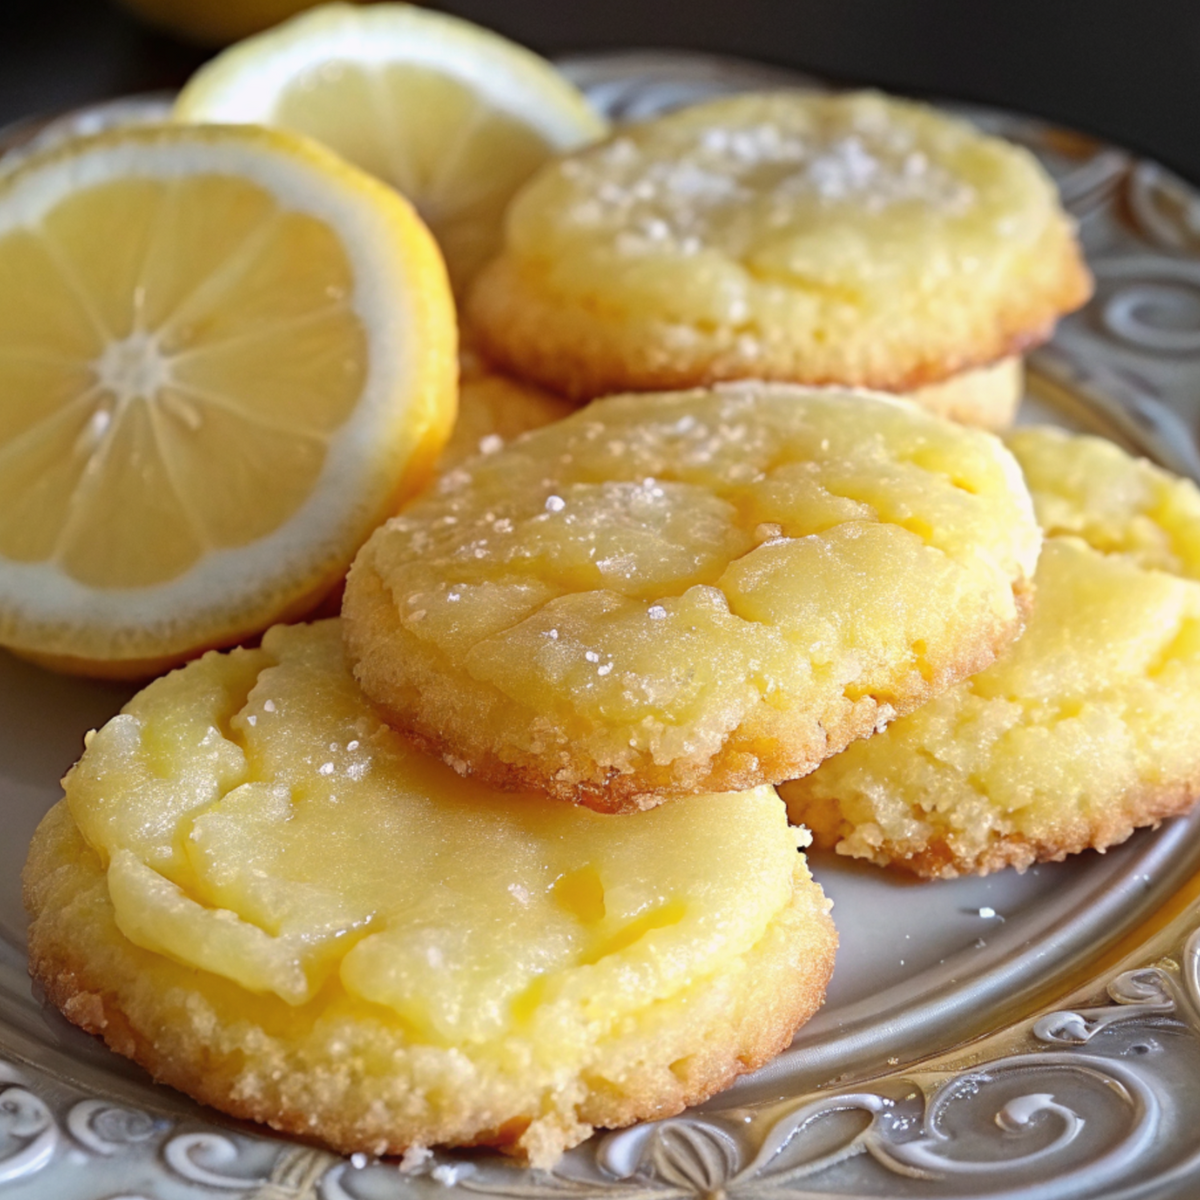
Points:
x=455, y=117
x=225, y=356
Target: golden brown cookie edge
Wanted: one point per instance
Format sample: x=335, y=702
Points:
x=791, y=969
x=588, y=347
x=768, y=751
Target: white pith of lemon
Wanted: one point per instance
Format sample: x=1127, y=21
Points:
x=225, y=355
x=454, y=116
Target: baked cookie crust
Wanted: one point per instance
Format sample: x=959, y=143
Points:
x=686, y=592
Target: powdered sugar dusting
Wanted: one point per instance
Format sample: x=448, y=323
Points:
x=677, y=193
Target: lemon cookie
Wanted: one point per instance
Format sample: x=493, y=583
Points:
x=268, y=898
x=822, y=239
x=493, y=408
x=694, y=591
x=1086, y=729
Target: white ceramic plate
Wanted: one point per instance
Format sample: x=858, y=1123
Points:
x=872, y=1099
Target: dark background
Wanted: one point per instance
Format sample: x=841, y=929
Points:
x=1127, y=70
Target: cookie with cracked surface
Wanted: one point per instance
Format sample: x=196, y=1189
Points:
x=849, y=239
x=263, y=894
x=1087, y=729
x=695, y=591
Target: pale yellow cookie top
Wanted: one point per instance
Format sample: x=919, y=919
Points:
x=1086, y=729
x=258, y=821
x=691, y=591
x=849, y=238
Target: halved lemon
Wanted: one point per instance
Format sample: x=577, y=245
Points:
x=225, y=356
x=455, y=117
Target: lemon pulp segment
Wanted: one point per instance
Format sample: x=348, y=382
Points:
x=431, y=136
x=154, y=367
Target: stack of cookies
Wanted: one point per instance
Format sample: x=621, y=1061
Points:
x=1085, y=730
x=851, y=240
x=587, y=906
x=497, y=857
